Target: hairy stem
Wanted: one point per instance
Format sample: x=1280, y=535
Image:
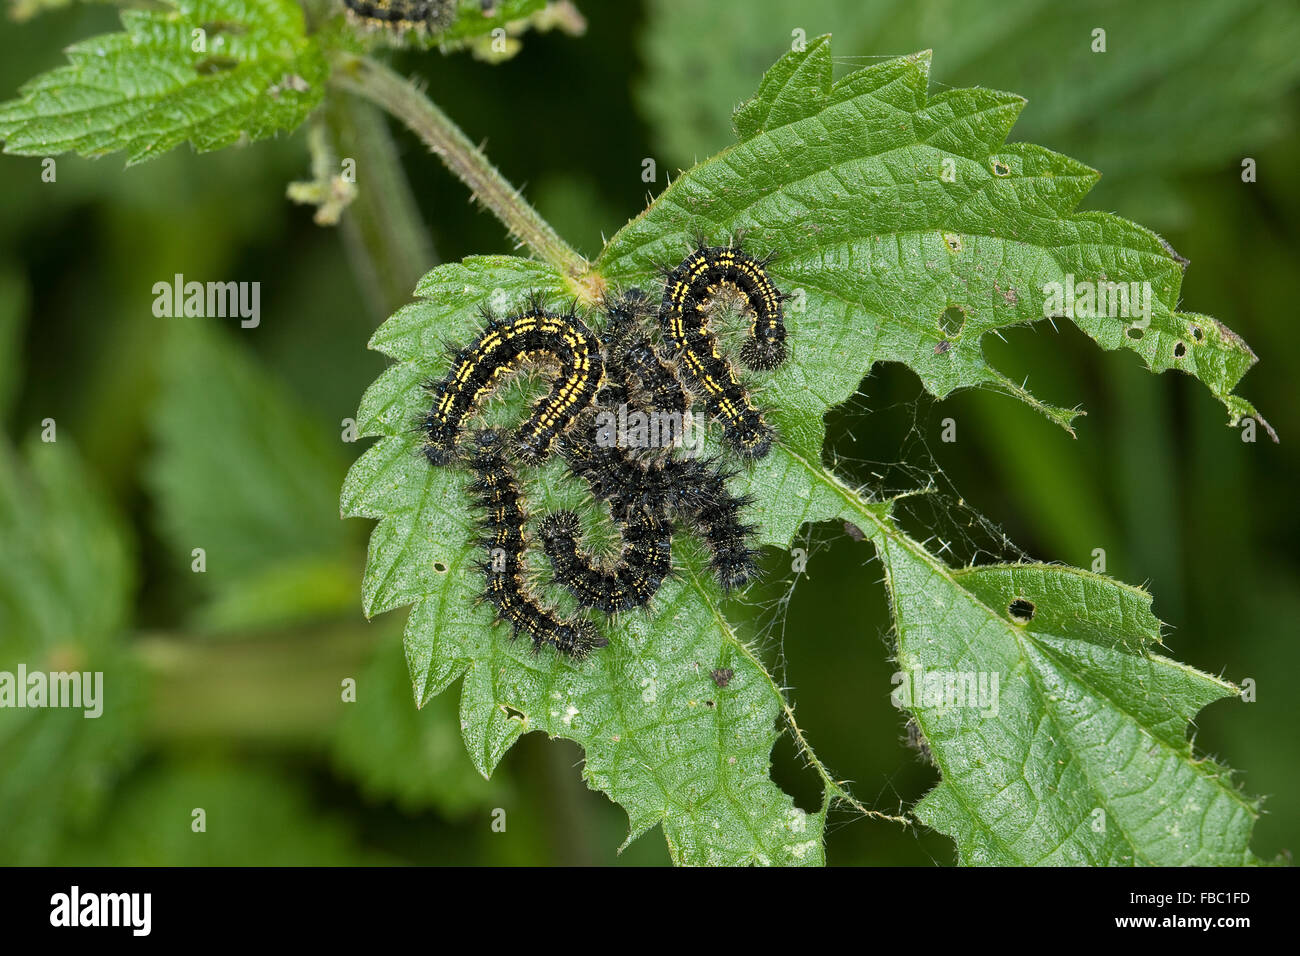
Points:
x=386, y=239
x=400, y=97
x=833, y=790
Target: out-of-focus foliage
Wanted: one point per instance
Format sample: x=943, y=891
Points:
x=1133, y=103
x=235, y=453
x=195, y=813
x=413, y=757
x=67, y=574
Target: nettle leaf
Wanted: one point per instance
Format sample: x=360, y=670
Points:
x=848, y=184
x=148, y=90
x=66, y=579
x=1061, y=738
x=887, y=261
x=1136, y=89
x=843, y=181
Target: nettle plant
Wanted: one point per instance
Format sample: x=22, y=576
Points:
x=906, y=229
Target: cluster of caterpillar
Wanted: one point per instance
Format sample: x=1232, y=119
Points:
x=692, y=491
x=646, y=494
x=497, y=492
x=399, y=17
x=645, y=562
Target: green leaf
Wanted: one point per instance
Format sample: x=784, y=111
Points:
x=147, y=90
x=66, y=578
x=844, y=182
x=1136, y=90
x=241, y=472
x=1078, y=755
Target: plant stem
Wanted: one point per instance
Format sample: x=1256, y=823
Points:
x=385, y=237
x=272, y=687
x=400, y=97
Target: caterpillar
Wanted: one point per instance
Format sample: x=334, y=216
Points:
x=689, y=292
x=399, y=16
x=645, y=561
x=496, y=490
x=728, y=266
x=633, y=361
x=502, y=348
x=642, y=363
x=691, y=490
x=716, y=514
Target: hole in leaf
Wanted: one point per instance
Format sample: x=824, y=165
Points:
x=1000, y=168
x=1135, y=334
x=953, y=241
x=440, y=567
x=1197, y=333
x=513, y=713
x=951, y=321
x=1180, y=350
x=1021, y=610
x=215, y=64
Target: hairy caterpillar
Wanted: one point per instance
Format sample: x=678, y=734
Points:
x=504, y=347
x=688, y=294
x=632, y=361
x=716, y=514
x=496, y=490
x=432, y=16
x=645, y=561
x=690, y=490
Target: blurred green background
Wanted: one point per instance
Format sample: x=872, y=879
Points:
x=223, y=688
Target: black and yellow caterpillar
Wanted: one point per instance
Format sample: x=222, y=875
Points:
x=689, y=293
x=506, y=346
x=432, y=16
x=496, y=490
